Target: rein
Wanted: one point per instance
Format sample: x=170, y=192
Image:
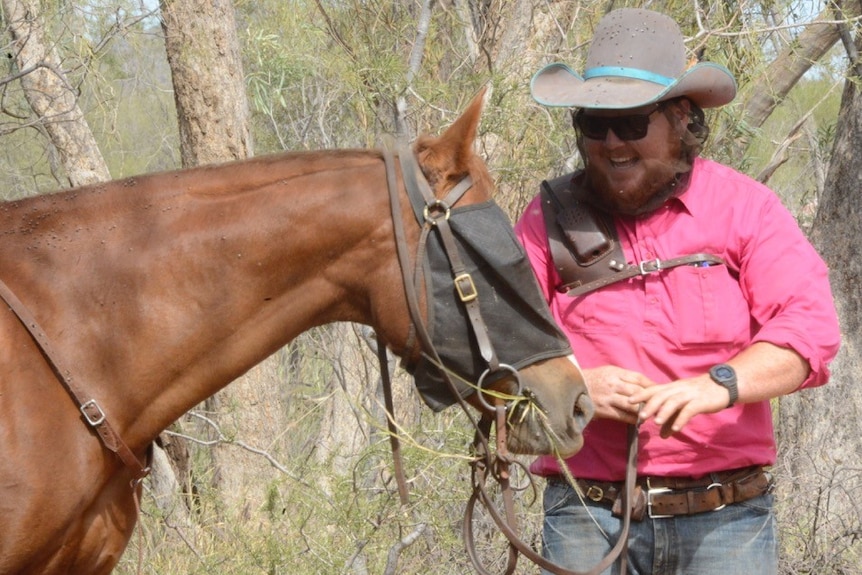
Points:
x=501, y=474
x=432, y=214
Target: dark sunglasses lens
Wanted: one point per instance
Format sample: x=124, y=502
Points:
x=625, y=127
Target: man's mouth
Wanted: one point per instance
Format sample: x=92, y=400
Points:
x=622, y=162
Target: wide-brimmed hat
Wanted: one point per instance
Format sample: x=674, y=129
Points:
x=637, y=57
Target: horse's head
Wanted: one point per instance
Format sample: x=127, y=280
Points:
x=488, y=322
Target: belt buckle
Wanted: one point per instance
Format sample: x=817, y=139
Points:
x=595, y=493
x=651, y=492
x=648, y=267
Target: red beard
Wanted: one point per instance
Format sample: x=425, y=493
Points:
x=644, y=192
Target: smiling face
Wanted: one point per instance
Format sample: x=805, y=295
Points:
x=634, y=176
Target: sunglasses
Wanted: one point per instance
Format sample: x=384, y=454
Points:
x=630, y=127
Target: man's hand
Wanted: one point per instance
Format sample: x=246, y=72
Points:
x=673, y=404
x=764, y=371
x=611, y=389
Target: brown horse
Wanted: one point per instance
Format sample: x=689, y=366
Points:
x=157, y=291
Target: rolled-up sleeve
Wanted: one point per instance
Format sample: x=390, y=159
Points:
x=787, y=285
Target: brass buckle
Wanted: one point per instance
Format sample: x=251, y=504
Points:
x=595, y=493
x=467, y=292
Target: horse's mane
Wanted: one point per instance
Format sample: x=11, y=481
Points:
x=231, y=177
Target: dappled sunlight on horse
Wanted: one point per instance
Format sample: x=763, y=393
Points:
x=157, y=291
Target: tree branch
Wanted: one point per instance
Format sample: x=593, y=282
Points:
x=399, y=546
x=413, y=64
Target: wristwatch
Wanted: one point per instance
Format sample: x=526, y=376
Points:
x=725, y=376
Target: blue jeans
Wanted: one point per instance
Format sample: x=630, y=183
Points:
x=739, y=539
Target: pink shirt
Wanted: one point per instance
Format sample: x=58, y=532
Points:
x=679, y=322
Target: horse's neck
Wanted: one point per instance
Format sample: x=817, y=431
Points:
x=162, y=292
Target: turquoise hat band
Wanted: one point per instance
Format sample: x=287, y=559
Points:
x=633, y=73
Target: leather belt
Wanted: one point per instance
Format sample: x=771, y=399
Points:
x=659, y=497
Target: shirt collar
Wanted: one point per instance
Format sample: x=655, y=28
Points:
x=689, y=200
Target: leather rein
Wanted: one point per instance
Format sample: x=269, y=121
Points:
x=496, y=463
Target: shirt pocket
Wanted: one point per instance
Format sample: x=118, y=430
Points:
x=604, y=311
x=709, y=306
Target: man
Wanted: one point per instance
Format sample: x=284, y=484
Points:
x=698, y=301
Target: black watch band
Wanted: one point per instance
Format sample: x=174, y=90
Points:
x=725, y=376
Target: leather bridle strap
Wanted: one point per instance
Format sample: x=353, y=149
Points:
x=429, y=212
x=420, y=194
x=403, y=256
x=619, y=550
x=89, y=407
x=436, y=214
x=417, y=324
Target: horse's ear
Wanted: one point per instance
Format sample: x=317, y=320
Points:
x=464, y=130
x=451, y=152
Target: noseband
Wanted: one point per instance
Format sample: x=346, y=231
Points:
x=433, y=214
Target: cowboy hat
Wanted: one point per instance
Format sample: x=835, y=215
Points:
x=637, y=57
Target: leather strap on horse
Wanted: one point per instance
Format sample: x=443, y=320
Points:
x=93, y=414
x=498, y=465
x=583, y=241
x=416, y=324
x=422, y=196
x=435, y=214
x=619, y=550
x=394, y=441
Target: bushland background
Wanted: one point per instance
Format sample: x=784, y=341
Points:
x=288, y=470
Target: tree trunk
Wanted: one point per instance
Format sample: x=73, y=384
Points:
x=819, y=441
x=212, y=110
x=52, y=99
x=209, y=87
x=511, y=37
x=511, y=41
x=796, y=59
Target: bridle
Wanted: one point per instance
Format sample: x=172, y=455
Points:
x=432, y=215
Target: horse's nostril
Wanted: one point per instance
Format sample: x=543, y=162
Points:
x=583, y=411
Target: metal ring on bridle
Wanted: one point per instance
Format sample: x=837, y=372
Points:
x=487, y=372
x=440, y=208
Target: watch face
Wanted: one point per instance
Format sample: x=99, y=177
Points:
x=723, y=372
